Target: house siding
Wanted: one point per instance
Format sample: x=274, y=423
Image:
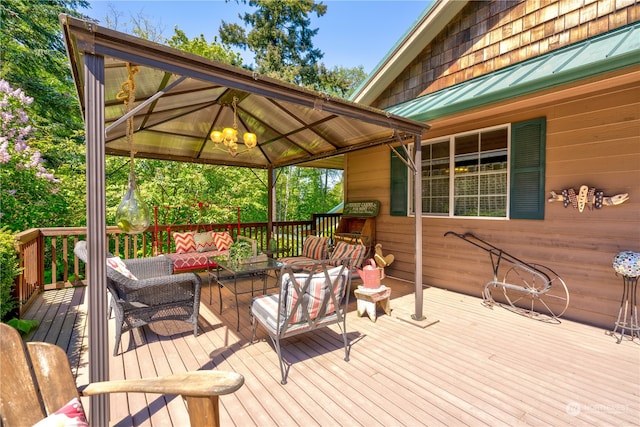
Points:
x=593, y=138
x=489, y=35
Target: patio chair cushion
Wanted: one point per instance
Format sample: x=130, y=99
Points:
x=184, y=242
x=314, y=295
x=344, y=250
x=204, y=242
x=265, y=307
x=70, y=415
x=118, y=265
x=315, y=247
x=222, y=240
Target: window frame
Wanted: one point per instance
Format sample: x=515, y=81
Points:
x=452, y=160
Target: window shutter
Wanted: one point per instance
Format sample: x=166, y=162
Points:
x=528, y=169
x=399, y=186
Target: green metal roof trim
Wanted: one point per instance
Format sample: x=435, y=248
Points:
x=601, y=54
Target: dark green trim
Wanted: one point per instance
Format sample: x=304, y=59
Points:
x=527, y=174
x=399, y=185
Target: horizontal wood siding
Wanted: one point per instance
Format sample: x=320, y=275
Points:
x=593, y=138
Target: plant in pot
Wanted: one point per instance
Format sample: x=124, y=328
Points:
x=240, y=251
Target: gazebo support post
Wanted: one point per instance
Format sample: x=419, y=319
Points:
x=417, y=203
x=96, y=234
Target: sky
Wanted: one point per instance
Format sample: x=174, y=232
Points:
x=351, y=33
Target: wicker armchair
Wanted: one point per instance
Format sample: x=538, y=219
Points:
x=154, y=294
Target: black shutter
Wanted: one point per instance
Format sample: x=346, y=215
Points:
x=399, y=186
x=528, y=169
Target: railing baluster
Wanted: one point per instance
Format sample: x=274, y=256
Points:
x=34, y=244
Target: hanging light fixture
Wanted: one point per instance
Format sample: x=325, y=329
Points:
x=132, y=215
x=229, y=135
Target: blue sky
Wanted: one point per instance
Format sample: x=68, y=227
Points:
x=351, y=33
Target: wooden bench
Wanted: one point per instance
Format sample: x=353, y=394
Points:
x=36, y=381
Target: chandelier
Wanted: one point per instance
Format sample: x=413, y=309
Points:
x=229, y=135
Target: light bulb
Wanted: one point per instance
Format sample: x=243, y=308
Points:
x=230, y=134
x=250, y=139
x=216, y=136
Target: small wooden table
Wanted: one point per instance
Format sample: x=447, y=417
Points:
x=368, y=298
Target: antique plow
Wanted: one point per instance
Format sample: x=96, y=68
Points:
x=531, y=290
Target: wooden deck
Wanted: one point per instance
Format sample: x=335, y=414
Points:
x=473, y=366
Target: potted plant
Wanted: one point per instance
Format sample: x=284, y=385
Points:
x=240, y=251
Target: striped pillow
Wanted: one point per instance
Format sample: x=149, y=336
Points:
x=222, y=240
x=344, y=250
x=184, y=242
x=315, y=247
x=317, y=292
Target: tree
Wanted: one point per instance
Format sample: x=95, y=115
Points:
x=200, y=46
x=280, y=38
x=34, y=59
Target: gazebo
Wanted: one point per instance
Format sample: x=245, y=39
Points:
x=180, y=99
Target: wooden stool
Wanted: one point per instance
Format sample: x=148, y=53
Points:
x=367, y=299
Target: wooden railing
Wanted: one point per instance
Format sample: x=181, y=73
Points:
x=47, y=261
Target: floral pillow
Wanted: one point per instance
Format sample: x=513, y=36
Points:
x=70, y=415
x=184, y=242
x=118, y=265
x=204, y=242
x=223, y=240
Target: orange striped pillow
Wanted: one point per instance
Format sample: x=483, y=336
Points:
x=222, y=240
x=315, y=247
x=184, y=242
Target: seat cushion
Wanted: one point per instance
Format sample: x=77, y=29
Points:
x=345, y=250
x=315, y=247
x=118, y=265
x=314, y=295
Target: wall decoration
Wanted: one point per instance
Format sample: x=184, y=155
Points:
x=587, y=197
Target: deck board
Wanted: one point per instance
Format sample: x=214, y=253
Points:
x=473, y=366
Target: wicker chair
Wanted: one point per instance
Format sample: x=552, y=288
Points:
x=154, y=294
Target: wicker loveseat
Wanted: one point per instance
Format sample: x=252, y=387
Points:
x=145, y=290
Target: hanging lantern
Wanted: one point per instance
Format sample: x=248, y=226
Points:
x=132, y=215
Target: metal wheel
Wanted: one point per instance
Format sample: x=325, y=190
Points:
x=538, y=293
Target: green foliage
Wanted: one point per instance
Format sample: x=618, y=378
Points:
x=29, y=193
x=34, y=59
x=9, y=269
x=200, y=46
x=240, y=250
x=280, y=38
x=23, y=326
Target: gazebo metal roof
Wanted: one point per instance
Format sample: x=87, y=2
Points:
x=181, y=98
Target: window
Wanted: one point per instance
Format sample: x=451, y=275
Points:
x=496, y=172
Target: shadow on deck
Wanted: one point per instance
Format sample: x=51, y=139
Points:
x=472, y=365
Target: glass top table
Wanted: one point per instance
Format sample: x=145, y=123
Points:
x=250, y=278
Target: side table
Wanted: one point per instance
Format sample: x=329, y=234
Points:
x=627, y=264
x=368, y=298
x=628, y=313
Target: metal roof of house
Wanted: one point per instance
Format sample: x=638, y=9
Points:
x=601, y=54
x=180, y=98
